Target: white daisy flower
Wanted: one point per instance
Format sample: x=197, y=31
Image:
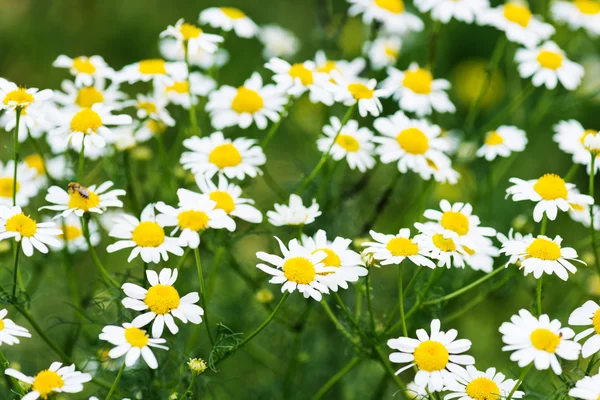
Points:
x=300, y=78
x=548, y=65
x=393, y=249
x=391, y=13
x=347, y=69
x=540, y=341
x=195, y=37
x=56, y=379
x=441, y=244
x=13, y=97
x=471, y=384
x=581, y=213
x=27, y=186
x=132, y=342
x=578, y=14
x=588, y=315
x=182, y=93
x=436, y=356
x=550, y=192
x=519, y=24
x=354, y=90
x=251, y=102
x=441, y=171
x=162, y=302
x=149, y=129
x=15, y=224
x=298, y=269
x=9, y=331
x=229, y=18
x=295, y=213
x=588, y=388
x=72, y=234
x=146, y=236
x=228, y=198
x=216, y=155
x=79, y=200
x=383, y=51
x=152, y=107
x=85, y=69
x=172, y=49
x=278, y=42
x=155, y=69
x=481, y=257
x=570, y=136
x=462, y=10
x=541, y=255
x=353, y=143
x=85, y=97
x=34, y=122
x=502, y=142
x=416, y=90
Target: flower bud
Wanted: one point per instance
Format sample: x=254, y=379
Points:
x=264, y=296
x=197, y=366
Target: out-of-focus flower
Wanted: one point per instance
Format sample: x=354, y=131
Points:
x=278, y=42
x=294, y=214
x=229, y=18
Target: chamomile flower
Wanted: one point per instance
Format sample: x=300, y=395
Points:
x=538, y=340
x=94, y=199
x=550, y=192
x=383, y=51
x=15, y=224
x=9, y=331
x=183, y=93
x=481, y=257
x=347, y=69
x=295, y=213
x=393, y=249
x=570, y=136
x=196, y=213
x=588, y=315
x=353, y=143
x=541, y=255
x=441, y=244
x=13, y=97
x=391, y=13
x=587, y=388
x=145, y=235
x=56, y=379
x=162, y=302
x=85, y=97
x=436, y=356
x=214, y=154
x=229, y=18
x=518, y=23
x=85, y=69
x=581, y=213
x=297, y=79
x=27, y=186
x=547, y=65
x=72, y=234
x=416, y=91
x=149, y=129
x=441, y=171
x=502, y=142
x=155, y=69
x=194, y=37
x=251, y=102
x=172, y=49
x=354, y=90
x=472, y=384
x=33, y=123
x=152, y=107
x=578, y=14
x=131, y=342
x=278, y=42
x=462, y=10
x=299, y=269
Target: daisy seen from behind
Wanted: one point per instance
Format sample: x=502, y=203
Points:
x=353, y=90
x=587, y=315
x=9, y=331
x=295, y=213
x=79, y=200
x=352, y=143
x=502, y=142
x=131, y=341
x=192, y=36
x=229, y=18
x=85, y=69
x=55, y=379
x=462, y=10
x=393, y=249
x=228, y=197
x=392, y=13
x=25, y=230
x=472, y=384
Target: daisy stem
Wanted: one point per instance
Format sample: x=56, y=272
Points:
x=216, y=263
x=16, y=270
x=592, y=227
x=325, y=155
x=193, y=121
x=335, y=378
x=401, y=301
x=81, y=161
x=16, y=150
x=10, y=381
x=86, y=234
x=130, y=181
x=275, y=126
x=38, y=150
x=369, y=304
x=337, y=322
x=346, y=311
x=188, y=391
x=521, y=378
x=510, y=108
x=388, y=367
x=538, y=295
x=433, y=40
x=203, y=294
x=405, y=291
x=116, y=382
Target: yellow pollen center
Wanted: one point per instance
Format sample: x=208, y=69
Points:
x=76, y=200
x=71, y=232
x=332, y=259
x=589, y=7
x=551, y=187
x=348, y=143
x=161, y=299
x=413, y=141
x=193, y=220
x=190, y=31
x=36, y=162
x=148, y=234
x=155, y=66
x=393, y=6
x=83, y=65
x=402, y=247
x=224, y=201
x=6, y=187
x=136, y=337
x=483, y=389
x=147, y=106
x=550, y=59
x=544, y=339
x=431, y=356
x=517, y=13
x=456, y=222
x=86, y=121
x=299, y=270
x=303, y=73
x=46, y=382
x=179, y=87
x=391, y=52
x=442, y=243
x=22, y=224
x=247, y=101
x=419, y=81
x=18, y=96
x=544, y=249
x=360, y=91
x=225, y=155
x=1, y=325
x=493, y=139
x=88, y=96
x=596, y=322
x=327, y=67
x=233, y=13
x=156, y=126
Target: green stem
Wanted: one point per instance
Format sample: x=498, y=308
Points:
x=86, y=234
x=115, y=383
x=9, y=380
x=538, y=295
x=435, y=34
x=369, y=305
x=271, y=133
x=193, y=121
x=335, y=378
x=189, y=388
x=181, y=261
x=346, y=311
x=401, y=301
x=81, y=162
x=202, y=294
x=510, y=108
x=16, y=270
x=521, y=378
x=388, y=368
x=131, y=182
x=544, y=225
x=16, y=158
x=571, y=173
x=337, y=322
x=592, y=226
x=212, y=275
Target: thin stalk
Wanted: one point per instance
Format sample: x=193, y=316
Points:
x=401, y=301
x=188, y=391
x=271, y=133
x=406, y=290
x=538, y=295
x=337, y=322
x=346, y=311
x=81, y=162
x=131, y=182
x=433, y=40
x=335, y=378
x=388, y=368
x=16, y=270
x=216, y=263
x=510, y=108
x=9, y=379
x=193, y=121
x=115, y=383
x=464, y=289
x=105, y=274
x=202, y=294
x=182, y=259
x=369, y=305
x=592, y=225
x=521, y=378
x=571, y=173
x=16, y=158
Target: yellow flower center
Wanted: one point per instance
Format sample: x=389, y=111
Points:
x=483, y=389
x=544, y=339
x=402, y=247
x=161, y=299
x=71, y=232
x=588, y=6
x=225, y=155
x=21, y=223
x=46, y=382
x=517, y=13
x=431, y=356
x=36, y=162
x=193, y=220
x=391, y=52
x=418, y=81
x=299, y=270
x=1, y=325
x=596, y=322
x=303, y=73
x=442, y=243
x=6, y=187
x=327, y=67
x=544, y=249
x=224, y=201
x=413, y=141
x=493, y=139
x=136, y=337
x=153, y=67
x=190, y=31
x=456, y=222
x=19, y=96
x=551, y=187
x=247, y=101
x=360, y=91
x=148, y=234
x=156, y=126
x=86, y=121
x=393, y=6
x=83, y=65
x=550, y=59
x=179, y=87
x=147, y=106
x=233, y=13
x=76, y=200
x=88, y=96
x=332, y=259
x=348, y=143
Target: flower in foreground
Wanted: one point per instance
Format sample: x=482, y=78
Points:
x=393, y=249
x=294, y=214
x=56, y=379
x=15, y=224
x=436, y=356
x=85, y=69
x=538, y=340
x=9, y=331
x=132, y=342
x=588, y=315
x=473, y=384
x=229, y=18
x=502, y=142
x=80, y=200
x=354, y=90
x=441, y=244
x=587, y=388
x=353, y=143
x=228, y=198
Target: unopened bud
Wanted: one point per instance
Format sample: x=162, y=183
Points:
x=197, y=366
x=264, y=296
